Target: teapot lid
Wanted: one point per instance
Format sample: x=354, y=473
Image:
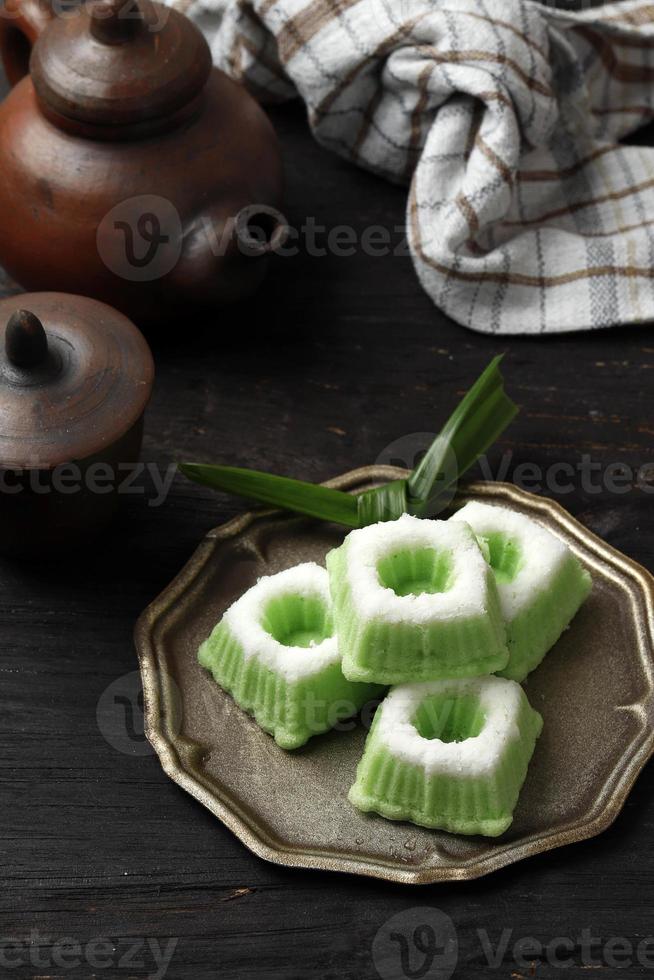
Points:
x=119, y=62
x=75, y=376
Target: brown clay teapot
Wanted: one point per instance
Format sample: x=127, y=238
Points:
x=131, y=170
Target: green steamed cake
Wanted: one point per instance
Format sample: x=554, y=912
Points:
x=541, y=584
x=415, y=600
x=275, y=652
x=451, y=755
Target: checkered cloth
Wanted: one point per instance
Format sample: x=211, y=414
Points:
x=525, y=214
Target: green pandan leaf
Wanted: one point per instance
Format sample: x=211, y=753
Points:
x=476, y=423
x=479, y=419
x=385, y=503
x=277, y=491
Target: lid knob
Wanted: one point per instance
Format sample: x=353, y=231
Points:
x=115, y=21
x=26, y=343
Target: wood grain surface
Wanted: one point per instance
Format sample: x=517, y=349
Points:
x=338, y=358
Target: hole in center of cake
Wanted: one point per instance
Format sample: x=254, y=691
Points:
x=505, y=556
x=416, y=571
x=449, y=718
x=297, y=621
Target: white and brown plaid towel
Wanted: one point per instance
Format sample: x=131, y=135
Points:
x=525, y=213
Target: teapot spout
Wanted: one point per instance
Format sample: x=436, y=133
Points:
x=224, y=257
x=260, y=230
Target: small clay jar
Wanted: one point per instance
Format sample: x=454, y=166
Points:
x=132, y=170
x=75, y=378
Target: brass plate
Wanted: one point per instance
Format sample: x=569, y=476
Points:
x=594, y=691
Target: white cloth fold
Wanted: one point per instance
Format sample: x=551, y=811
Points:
x=525, y=213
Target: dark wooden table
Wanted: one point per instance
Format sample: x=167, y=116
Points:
x=339, y=357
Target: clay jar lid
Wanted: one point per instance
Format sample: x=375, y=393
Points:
x=119, y=63
x=75, y=376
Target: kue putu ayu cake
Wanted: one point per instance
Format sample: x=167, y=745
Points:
x=415, y=600
x=541, y=584
x=275, y=652
x=451, y=755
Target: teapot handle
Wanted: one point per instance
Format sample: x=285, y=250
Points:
x=21, y=22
